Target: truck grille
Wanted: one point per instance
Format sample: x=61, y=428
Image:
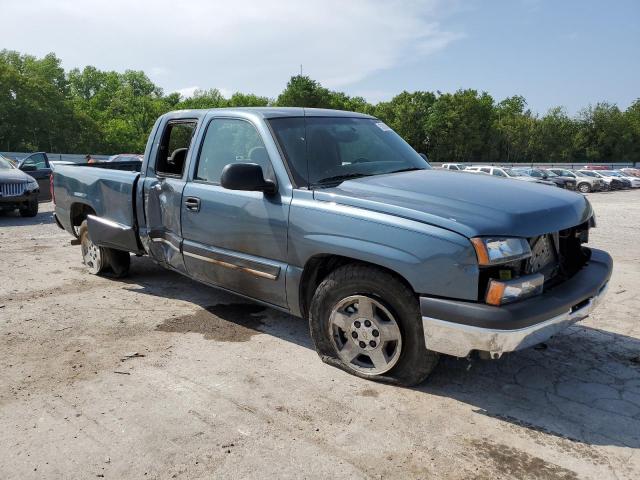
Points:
x=12, y=189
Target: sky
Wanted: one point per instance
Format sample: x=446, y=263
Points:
x=570, y=53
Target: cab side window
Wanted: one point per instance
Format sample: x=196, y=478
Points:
x=173, y=148
x=498, y=173
x=230, y=140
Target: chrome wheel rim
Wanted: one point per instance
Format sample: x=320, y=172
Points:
x=365, y=334
x=91, y=255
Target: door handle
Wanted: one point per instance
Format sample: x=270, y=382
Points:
x=192, y=203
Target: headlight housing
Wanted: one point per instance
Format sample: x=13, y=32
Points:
x=32, y=184
x=497, y=250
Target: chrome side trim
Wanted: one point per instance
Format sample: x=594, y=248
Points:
x=166, y=242
x=251, y=271
x=460, y=340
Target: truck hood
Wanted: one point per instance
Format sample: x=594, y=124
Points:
x=465, y=203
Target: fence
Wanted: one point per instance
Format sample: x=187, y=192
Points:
x=79, y=158
x=56, y=157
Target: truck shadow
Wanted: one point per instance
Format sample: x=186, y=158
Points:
x=583, y=386
x=13, y=219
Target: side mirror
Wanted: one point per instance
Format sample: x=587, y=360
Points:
x=246, y=176
x=28, y=168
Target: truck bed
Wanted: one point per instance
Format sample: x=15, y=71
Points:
x=103, y=192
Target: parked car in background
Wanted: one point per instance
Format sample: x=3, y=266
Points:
x=611, y=183
x=37, y=165
x=584, y=183
x=634, y=172
x=595, y=167
x=507, y=172
x=125, y=157
x=634, y=182
x=563, y=182
x=333, y=217
x=18, y=190
x=452, y=166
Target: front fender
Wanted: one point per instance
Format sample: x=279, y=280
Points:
x=434, y=261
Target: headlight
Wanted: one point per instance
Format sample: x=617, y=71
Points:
x=494, y=251
x=32, y=185
x=501, y=292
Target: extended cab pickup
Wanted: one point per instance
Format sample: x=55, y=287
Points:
x=332, y=217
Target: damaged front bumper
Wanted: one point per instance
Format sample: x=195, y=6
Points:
x=458, y=328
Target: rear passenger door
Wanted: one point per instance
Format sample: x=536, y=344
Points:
x=235, y=239
x=163, y=184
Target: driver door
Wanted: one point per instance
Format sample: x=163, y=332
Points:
x=235, y=239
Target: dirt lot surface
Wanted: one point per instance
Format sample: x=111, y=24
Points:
x=160, y=377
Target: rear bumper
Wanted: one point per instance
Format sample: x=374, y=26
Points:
x=459, y=328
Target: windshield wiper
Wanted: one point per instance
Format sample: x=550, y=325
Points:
x=410, y=169
x=341, y=178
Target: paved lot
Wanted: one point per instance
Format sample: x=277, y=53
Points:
x=226, y=389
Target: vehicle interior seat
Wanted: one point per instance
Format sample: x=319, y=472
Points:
x=324, y=155
x=177, y=159
x=260, y=156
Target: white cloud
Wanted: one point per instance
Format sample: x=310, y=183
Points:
x=251, y=45
x=187, y=92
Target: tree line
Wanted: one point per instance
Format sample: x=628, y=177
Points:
x=42, y=107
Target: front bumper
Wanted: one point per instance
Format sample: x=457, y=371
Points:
x=458, y=328
x=17, y=201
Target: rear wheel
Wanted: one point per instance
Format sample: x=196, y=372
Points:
x=101, y=260
x=93, y=257
x=367, y=322
x=584, y=188
x=31, y=210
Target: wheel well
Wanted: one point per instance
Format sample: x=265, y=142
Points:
x=79, y=213
x=318, y=267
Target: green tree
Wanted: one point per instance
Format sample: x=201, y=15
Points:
x=460, y=127
x=407, y=113
x=600, y=135
x=302, y=91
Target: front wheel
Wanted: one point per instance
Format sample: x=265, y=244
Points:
x=31, y=210
x=584, y=188
x=368, y=323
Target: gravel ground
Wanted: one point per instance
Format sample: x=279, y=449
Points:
x=160, y=377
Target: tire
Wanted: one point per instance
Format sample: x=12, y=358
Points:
x=31, y=210
x=101, y=260
x=386, y=343
x=584, y=188
x=94, y=257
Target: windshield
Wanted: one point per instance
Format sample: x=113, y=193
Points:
x=512, y=173
x=589, y=174
x=324, y=151
x=5, y=164
x=549, y=173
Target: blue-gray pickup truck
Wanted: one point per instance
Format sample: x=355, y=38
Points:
x=332, y=217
